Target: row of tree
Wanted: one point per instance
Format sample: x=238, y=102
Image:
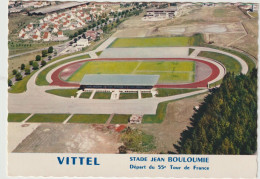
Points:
x=226, y=122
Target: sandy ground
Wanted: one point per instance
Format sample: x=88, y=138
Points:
x=177, y=119
x=225, y=26
x=70, y=138
x=17, y=132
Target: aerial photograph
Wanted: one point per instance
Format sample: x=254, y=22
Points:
x=132, y=77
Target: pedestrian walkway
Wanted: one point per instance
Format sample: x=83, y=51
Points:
x=110, y=119
x=65, y=122
x=24, y=121
x=92, y=94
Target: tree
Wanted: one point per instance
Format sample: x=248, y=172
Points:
x=44, y=53
x=30, y=62
x=49, y=57
x=122, y=149
x=50, y=49
x=27, y=71
x=55, y=53
x=18, y=76
x=80, y=31
x=14, y=72
x=43, y=63
x=75, y=34
x=35, y=65
x=38, y=58
x=10, y=83
x=22, y=66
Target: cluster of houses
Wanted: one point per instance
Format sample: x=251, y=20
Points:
x=51, y=27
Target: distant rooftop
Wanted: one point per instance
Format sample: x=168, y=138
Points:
x=119, y=79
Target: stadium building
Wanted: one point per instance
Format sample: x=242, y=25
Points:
x=118, y=81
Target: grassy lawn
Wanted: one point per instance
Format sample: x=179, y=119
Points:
x=246, y=58
x=89, y=118
x=254, y=14
x=63, y=92
x=20, y=86
x=120, y=119
x=41, y=78
x=99, y=53
x=230, y=63
x=146, y=95
x=128, y=96
x=48, y=118
x=17, y=117
x=191, y=50
x=102, y=95
x=163, y=92
x=159, y=116
x=155, y=42
x=85, y=95
x=169, y=71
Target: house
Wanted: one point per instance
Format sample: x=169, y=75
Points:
x=22, y=31
x=29, y=27
x=60, y=34
x=92, y=35
x=88, y=19
x=100, y=31
x=36, y=37
x=37, y=32
x=41, y=21
x=25, y=36
x=55, y=29
x=72, y=27
x=82, y=43
x=79, y=25
x=46, y=36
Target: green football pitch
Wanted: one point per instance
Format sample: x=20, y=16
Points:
x=169, y=71
x=154, y=42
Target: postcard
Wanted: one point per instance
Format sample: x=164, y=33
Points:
x=132, y=89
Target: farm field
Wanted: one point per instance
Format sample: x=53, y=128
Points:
x=169, y=71
x=153, y=42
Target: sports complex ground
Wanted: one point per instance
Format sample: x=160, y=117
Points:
x=185, y=70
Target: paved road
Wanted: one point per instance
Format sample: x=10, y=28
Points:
x=35, y=100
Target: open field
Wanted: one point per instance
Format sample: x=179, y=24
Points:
x=63, y=92
x=120, y=119
x=16, y=117
x=85, y=95
x=89, y=118
x=146, y=95
x=163, y=92
x=176, y=119
x=48, y=118
x=102, y=95
x=20, y=86
x=153, y=42
x=128, y=96
x=169, y=71
x=230, y=63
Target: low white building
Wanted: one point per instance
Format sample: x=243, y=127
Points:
x=82, y=43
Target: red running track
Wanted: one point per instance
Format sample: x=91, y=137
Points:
x=200, y=84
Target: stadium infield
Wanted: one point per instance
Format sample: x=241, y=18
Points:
x=169, y=71
x=202, y=82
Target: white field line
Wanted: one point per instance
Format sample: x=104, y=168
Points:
x=65, y=122
x=137, y=66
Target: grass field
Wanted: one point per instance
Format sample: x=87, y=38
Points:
x=85, y=95
x=102, y=95
x=230, y=63
x=120, y=119
x=128, y=96
x=89, y=118
x=63, y=92
x=20, y=86
x=146, y=95
x=154, y=42
x=48, y=118
x=163, y=92
x=17, y=117
x=169, y=71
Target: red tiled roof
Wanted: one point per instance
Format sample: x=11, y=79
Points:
x=60, y=33
x=23, y=35
x=46, y=34
x=35, y=36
